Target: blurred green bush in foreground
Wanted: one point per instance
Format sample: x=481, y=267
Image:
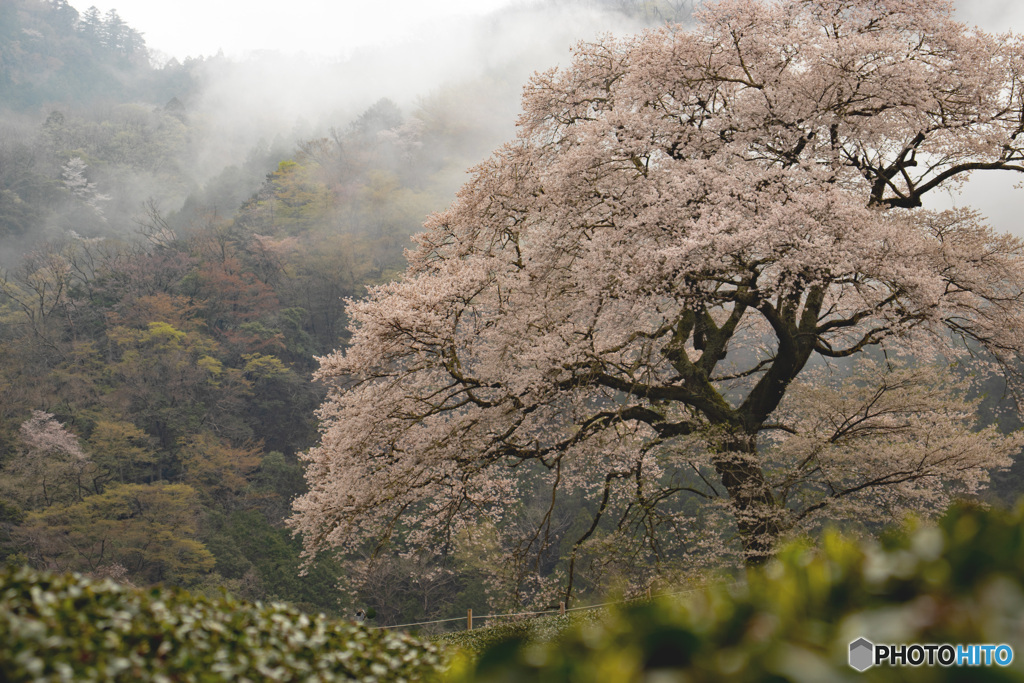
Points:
x=69, y=628
x=961, y=582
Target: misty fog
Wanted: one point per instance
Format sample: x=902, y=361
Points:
x=242, y=113
x=242, y=116
x=270, y=97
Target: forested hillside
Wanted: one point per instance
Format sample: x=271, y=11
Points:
x=176, y=253
x=156, y=378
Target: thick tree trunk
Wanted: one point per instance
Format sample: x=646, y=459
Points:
x=758, y=516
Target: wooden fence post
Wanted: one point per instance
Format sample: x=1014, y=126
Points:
x=469, y=619
x=561, y=609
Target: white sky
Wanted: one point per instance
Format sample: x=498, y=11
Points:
x=992, y=193
x=184, y=28
x=992, y=15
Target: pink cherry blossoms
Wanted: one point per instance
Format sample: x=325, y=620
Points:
x=621, y=351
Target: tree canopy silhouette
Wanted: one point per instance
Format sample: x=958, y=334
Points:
x=624, y=307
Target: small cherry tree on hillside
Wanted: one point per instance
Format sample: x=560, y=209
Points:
x=625, y=307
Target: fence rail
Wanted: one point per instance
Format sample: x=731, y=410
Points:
x=562, y=609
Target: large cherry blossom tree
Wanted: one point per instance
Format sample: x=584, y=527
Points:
x=635, y=306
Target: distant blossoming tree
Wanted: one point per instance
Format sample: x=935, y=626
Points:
x=51, y=468
x=75, y=181
x=634, y=306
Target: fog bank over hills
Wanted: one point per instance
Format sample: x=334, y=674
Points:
x=469, y=63
x=87, y=84
x=489, y=59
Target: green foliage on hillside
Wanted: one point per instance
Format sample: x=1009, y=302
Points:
x=57, y=628
x=959, y=583
x=174, y=350
x=175, y=381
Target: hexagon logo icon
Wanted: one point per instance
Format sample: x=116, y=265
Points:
x=862, y=654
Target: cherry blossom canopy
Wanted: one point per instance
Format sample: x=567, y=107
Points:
x=620, y=303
